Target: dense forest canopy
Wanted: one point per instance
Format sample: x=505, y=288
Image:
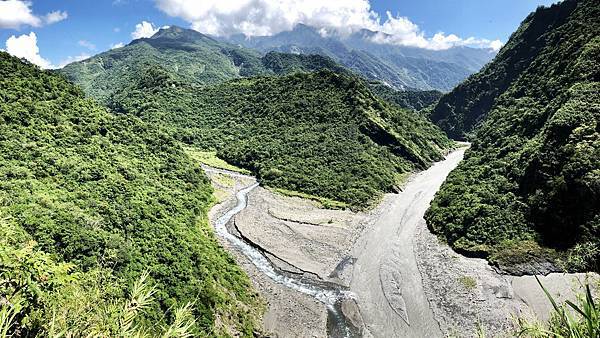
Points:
x=409, y=99
x=89, y=201
x=532, y=175
x=321, y=133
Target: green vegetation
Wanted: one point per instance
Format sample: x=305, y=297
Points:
x=468, y=282
x=210, y=158
x=409, y=99
x=532, y=174
x=322, y=134
x=89, y=202
x=569, y=320
x=188, y=57
x=283, y=63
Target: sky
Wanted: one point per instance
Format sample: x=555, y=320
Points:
x=52, y=33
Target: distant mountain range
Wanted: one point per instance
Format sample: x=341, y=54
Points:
x=399, y=67
x=187, y=56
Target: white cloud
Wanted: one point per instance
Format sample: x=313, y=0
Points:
x=143, y=29
x=16, y=13
x=268, y=17
x=25, y=46
x=87, y=44
x=401, y=31
x=117, y=45
x=72, y=59
x=55, y=16
x=496, y=45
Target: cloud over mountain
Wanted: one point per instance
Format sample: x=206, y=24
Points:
x=144, y=29
x=268, y=17
x=25, y=46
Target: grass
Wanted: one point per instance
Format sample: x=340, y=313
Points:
x=220, y=195
x=210, y=158
x=511, y=253
x=568, y=320
x=468, y=282
x=402, y=178
x=224, y=180
x=325, y=202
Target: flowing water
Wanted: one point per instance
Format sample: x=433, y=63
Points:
x=331, y=297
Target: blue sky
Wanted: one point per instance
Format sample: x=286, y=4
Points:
x=79, y=28
x=491, y=19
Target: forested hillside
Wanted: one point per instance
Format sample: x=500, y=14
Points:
x=321, y=133
x=188, y=56
x=89, y=202
x=285, y=63
x=409, y=99
x=469, y=103
x=528, y=193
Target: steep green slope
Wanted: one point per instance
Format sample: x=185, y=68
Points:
x=188, y=55
x=409, y=99
x=323, y=133
x=469, y=103
x=533, y=172
x=112, y=197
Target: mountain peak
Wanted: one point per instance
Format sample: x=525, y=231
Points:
x=176, y=32
x=303, y=28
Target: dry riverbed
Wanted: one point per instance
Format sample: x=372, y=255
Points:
x=403, y=282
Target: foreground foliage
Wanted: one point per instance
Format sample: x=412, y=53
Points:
x=43, y=297
x=322, y=134
x=528, y=192
x=93, y=200
x=567, y=320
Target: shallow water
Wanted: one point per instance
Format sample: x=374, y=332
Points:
x=337, y=325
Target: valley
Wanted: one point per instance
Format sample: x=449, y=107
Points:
x=379, y=273
x=329, y=169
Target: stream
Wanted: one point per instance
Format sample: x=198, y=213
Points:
x=338, y=325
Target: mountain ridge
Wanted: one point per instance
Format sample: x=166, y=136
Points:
x=398, y=66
